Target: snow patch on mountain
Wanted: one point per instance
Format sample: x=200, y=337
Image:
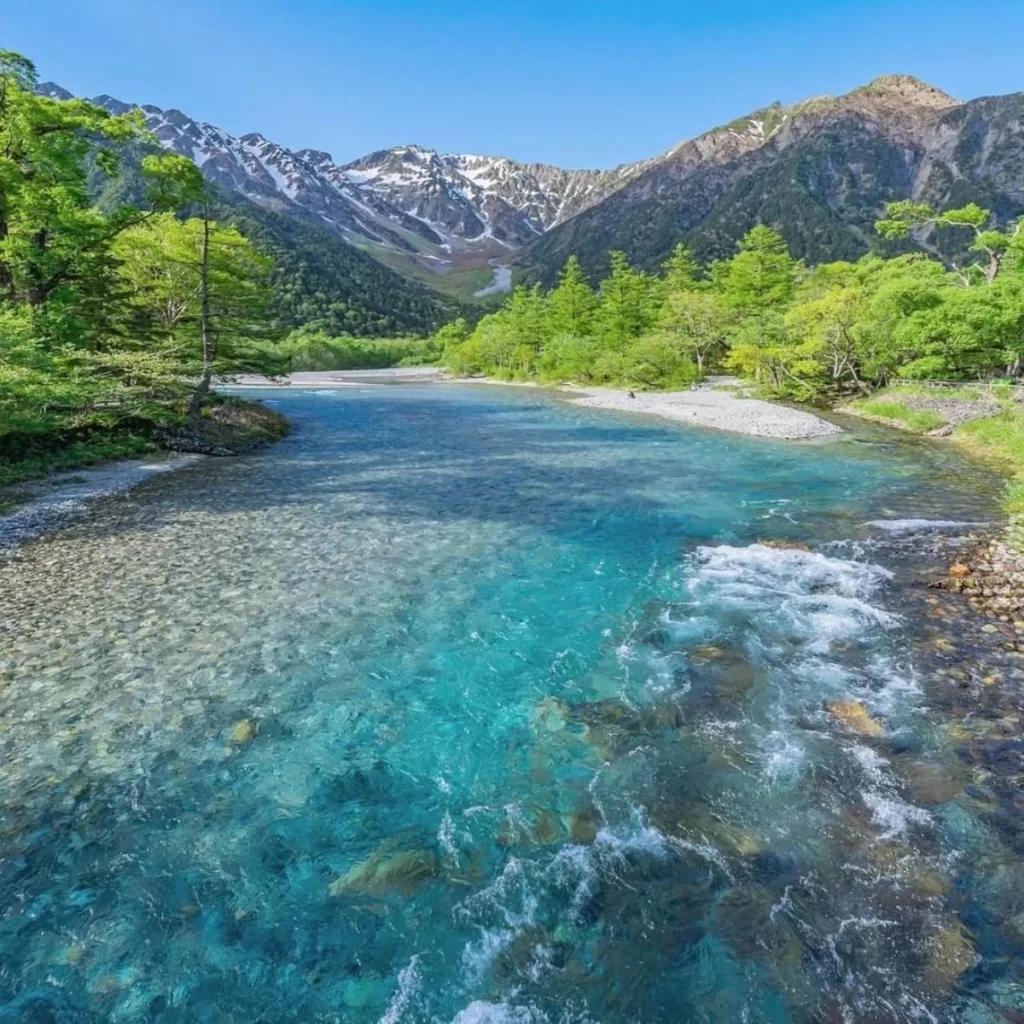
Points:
x=435, y=207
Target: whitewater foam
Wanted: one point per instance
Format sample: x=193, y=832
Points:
x=893, y=815
x=480, y=1012
x=908, y=527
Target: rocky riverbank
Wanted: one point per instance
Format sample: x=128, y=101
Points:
x=991, y=577
x=227, y=426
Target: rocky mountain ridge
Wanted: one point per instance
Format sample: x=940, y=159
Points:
x=440, y=209
x=820, y=170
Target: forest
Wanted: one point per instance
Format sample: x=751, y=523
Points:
x=115, y=318
x=802, y=333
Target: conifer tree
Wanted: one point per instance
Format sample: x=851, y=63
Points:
x=573, y=304
x=628, y=306
x=679, y=271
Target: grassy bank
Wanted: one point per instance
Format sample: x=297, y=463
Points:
x=226, y=426
x=52, y=456
x=984, y=421
x=898, y=412
x=1000, y=439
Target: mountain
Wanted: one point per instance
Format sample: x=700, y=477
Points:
x=819, y=171
x=407, y=204
x=320, y=281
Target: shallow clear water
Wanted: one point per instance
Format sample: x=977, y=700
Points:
x=467, y=705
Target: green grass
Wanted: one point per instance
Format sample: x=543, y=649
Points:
x=964, y=394
x=1000, y=439
x=920, y=421
x=74, y=456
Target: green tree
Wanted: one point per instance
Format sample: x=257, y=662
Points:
x=199, y=291
x=628, y=307
x=697, y=323
x=572, y=305
x=761, y=278
x=54, y=246
x=679, y=271
x=992, y=244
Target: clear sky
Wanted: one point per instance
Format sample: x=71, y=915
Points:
x=589, y=83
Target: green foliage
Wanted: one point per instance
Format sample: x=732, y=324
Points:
x=314, y=350
x=160, y=270
x=636, y=330
x=63, y=454
x=323, y=283
x=836, y=330
x=109, y=313
x=907, y=216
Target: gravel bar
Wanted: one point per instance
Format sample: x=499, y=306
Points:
x=716, y=409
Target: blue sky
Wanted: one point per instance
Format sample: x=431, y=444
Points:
x=581, y=84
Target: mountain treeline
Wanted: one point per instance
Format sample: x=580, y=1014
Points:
x=318, y=281
x=322, y=283
x=805, y=333
x=114, y=320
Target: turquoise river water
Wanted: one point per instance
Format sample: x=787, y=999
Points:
x=464, y=705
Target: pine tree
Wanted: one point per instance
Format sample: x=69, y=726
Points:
x=628, y=306
x=573, y=304
x=680, y=270
x=762, y=275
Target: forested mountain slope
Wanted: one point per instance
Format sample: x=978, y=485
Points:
x=820, y=172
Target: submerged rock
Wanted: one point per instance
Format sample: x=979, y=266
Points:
x=950, y=954
x=583, y=827
x=243, y=732
x=550, y=714
x=387, y=869
x=930, y=785
x=532, y=826
x=855, y=717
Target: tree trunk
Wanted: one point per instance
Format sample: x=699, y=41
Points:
x=205, y=379
x=994, y=265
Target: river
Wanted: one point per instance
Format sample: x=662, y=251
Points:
x=467, y=705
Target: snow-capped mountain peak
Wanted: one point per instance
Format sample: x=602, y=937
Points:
x=435, y=207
